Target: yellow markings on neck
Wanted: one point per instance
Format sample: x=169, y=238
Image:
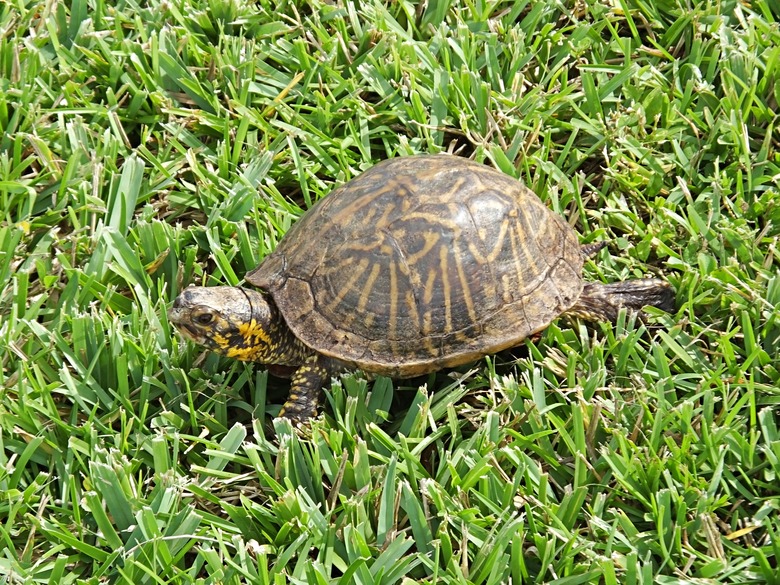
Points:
x=222, y=342
x=254, y=333
x=252, y=343
x=245, y=354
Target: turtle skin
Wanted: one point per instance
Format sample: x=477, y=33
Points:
x=420, y=263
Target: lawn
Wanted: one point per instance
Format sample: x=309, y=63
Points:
x=151, y=145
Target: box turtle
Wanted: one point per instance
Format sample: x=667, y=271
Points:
x=420, y=263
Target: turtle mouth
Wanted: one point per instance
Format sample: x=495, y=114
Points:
x=179, y=319
x=192, y=333
x=189, y=332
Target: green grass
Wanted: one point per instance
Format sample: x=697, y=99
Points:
x=150, y=145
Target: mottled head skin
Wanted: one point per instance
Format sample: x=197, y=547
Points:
x=238, y=323
x=246, y=325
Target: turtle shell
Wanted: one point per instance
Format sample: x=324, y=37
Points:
x=421, y=263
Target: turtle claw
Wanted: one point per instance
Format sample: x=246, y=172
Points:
x=307, y=382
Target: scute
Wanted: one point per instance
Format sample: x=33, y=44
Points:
x=421, y=263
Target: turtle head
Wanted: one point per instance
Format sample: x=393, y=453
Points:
x=232, y=321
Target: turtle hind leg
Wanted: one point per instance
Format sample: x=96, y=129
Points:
x=602, y=302
x=307, y=383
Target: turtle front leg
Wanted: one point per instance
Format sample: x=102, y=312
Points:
x=307, y=383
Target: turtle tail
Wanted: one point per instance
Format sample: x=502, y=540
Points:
x=601, y=302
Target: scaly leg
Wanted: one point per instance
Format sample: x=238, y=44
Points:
x=305, y=391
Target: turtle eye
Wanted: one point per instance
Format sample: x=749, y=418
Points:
x=204, y=318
